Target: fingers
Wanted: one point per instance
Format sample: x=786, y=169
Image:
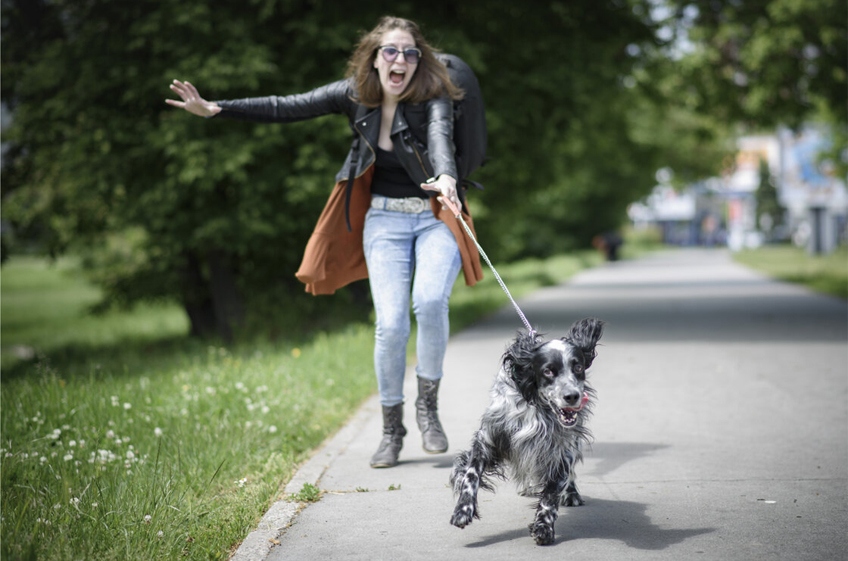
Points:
x=191, y=100
x=183, y=89
x=448, y=196
x=192, y=90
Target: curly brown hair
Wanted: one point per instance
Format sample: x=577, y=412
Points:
x=431, y=79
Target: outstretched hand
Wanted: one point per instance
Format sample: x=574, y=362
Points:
x=446, y=185
x=191, y=100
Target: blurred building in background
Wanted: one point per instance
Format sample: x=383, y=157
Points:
x=723, y=210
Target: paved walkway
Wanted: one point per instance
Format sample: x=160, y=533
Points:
x=721, y=432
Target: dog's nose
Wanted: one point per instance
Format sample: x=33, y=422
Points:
x=572, y=397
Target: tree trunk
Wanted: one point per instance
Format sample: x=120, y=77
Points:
x=195, y=298
x=226, y=300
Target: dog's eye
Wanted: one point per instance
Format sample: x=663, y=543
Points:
x=577, y=368
x=548, y=373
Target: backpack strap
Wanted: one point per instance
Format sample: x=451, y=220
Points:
x=354, y=162
x=361, y=111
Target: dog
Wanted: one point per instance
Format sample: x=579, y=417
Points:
x=534, y=429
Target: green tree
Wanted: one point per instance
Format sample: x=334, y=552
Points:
x=565, y=160
x=764, y=63
x=769, y=210
x=176, y=207
x=216, y=213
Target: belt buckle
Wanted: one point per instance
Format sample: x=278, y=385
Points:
x=414, y=205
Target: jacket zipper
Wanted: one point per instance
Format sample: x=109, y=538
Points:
x=420, y=161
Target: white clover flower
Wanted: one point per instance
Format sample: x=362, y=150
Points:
x=157, y=432
x=130, y=455
x=43, y=459
x=68, y=457
x=94, y=505
x=106, y=456
x=160, y=534
x=272, y=429
x=74, y=501
x=115, y=401
x=118, y=442
x=127, y=406
x=148, y=519
x=57, y=506
x=72, y=443
x=265, y=409
x=110, y=434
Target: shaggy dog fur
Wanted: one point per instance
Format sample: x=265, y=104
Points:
x=534, y=428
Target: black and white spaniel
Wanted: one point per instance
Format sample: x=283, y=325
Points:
x=534, y=428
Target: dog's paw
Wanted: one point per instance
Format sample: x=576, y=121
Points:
x=573, y=499
x=463, y=515
x=542, y=533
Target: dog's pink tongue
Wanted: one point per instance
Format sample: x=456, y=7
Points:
x=583, y=403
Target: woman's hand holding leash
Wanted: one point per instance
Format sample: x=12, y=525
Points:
x=191, y=100
x=446, y=185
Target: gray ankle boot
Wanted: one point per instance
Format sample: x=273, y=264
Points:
x=393, y=433
x=433, y=436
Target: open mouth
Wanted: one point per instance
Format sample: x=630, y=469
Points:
x=396, y=77
x=568, y=415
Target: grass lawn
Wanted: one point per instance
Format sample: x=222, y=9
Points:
x=122, y=438
x=823, y=273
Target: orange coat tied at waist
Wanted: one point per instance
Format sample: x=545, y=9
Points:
x=334, y=256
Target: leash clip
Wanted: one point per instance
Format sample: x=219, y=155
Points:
x=449, y=203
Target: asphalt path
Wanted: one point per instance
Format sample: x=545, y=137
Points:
x=721, y=432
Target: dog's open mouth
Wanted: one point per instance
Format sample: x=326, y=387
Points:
x=568, y=415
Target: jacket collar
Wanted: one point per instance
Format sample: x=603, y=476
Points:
x=399, y=123
x=367, y=123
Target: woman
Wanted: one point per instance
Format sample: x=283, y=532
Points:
x=380, y=222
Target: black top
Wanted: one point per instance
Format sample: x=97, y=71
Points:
x=391, y=180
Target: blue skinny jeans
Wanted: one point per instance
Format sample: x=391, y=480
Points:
x=417, y=253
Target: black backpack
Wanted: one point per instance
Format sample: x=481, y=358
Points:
x=469, y=118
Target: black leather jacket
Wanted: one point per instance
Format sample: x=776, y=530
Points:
x=422, y=134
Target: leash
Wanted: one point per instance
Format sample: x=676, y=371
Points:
x=453, y=208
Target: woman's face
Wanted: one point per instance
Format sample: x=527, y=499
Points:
x=395, y=76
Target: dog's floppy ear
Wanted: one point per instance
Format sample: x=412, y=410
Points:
x=518, y=363
x=584, y=335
